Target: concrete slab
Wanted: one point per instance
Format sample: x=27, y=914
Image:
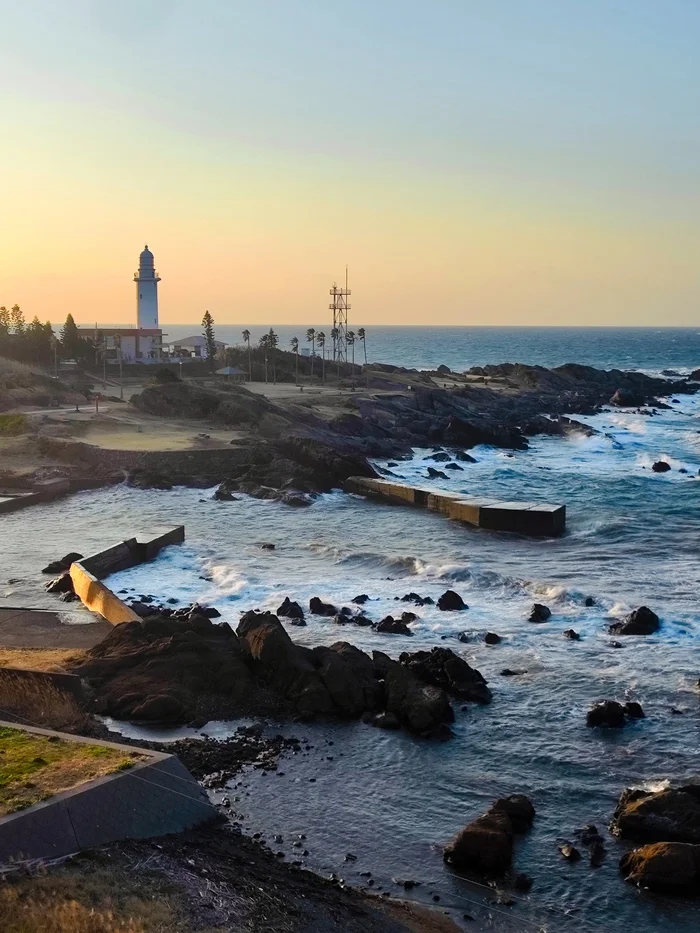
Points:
x=38, y=628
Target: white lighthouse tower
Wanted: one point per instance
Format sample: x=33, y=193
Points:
x=146, y=292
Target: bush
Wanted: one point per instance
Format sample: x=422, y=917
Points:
x=11, y=425
x=164, y=375
x=39, y=703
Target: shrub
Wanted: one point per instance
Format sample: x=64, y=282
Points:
x=36, y=702
x=11, y=425
x=164, y=375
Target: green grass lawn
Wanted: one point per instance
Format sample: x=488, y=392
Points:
x=35, y=767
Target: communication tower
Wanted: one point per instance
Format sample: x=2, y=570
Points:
x=340, y=307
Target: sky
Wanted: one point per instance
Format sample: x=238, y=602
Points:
x=502, y=162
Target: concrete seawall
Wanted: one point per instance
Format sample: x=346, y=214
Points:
x=155, y=797
x=528, y=518
x=15, y=496
x=87, y=574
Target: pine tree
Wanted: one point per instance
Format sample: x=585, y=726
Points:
x=208, y=325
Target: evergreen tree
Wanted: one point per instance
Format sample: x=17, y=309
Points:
x=208, y=325
x=17, y=320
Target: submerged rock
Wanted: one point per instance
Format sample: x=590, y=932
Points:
x=661, y=466
x=491, y=638
x=608, y=713
x=390, y=625
x=641, y=621
x=443, y=668
x=672, y=867
x=572, y=635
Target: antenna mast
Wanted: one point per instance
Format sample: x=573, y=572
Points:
x=340, y=307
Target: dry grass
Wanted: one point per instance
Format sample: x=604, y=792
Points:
x=40, y=659
x=35, y=767
x=35, y=703
x=92, y=901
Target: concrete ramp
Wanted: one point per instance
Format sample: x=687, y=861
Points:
x=527, y=518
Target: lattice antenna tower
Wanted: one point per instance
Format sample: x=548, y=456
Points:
x=340, y=307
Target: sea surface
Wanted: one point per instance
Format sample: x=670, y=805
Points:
x=392, y=800
x=645, y=348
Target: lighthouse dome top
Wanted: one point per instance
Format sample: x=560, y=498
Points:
x=146, y=254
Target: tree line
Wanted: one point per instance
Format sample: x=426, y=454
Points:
x=317, y=339
x=35, y=342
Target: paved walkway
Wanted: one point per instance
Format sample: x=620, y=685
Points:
x=39, y=628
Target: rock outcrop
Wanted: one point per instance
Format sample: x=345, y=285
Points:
x=451, y=602
x=670, y=815
x=421, y=707
x=671, y=867
x=441, y=667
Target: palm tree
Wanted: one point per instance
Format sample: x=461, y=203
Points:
x=321, y=341
x=361, y=336
x=351, y=341
x=294, y=343
x=335, y=333
x=246, y=340
x=311, y=338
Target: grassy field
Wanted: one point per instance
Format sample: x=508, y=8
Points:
x=35, y=767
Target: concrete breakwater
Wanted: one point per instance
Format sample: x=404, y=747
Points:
x=529, y=518
x=87, y=574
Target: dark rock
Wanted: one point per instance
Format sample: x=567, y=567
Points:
x=451, y=602
x=440, y=457
x=454, y=466
x=485, y=846
x=589, y=834
x=570, y=852
x=386, y=721
x=267, y=547
x=163, y=708
x=408, y=617
x=390, y=625
x=597, y=854
x=634, y=710
x=361, y=600
x=572, y=635
x=626, y=398
x=661, y=466
x=290, y=610
x=540, y=613
x=508, y=672
x=319, y=608
x=491, y=638
x=62, y=584
x=640, y=622
x=421, y=707
x=143, y=609
x=362, y=620
x=670, y=815
x=463, y=456
x=223, y=494
x=589, y=601
x=418, y=600
x=58, y=566
x=608, y=713
x=522, y=882
x=209, y=612
x=349, y=676
x=441, y=667
x=671, y=867
x=436, y=474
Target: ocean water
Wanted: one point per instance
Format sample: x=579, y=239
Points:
x=392, y=800
x=644, y=348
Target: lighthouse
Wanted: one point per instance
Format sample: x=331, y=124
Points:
x=147, y=280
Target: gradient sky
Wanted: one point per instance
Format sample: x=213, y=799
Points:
x=500, y=162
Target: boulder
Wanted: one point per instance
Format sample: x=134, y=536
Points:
x=463, y=456
x=608, y=713
x=361, y=600
x=640, y=622
x=572, y=635
x=440, y=457
x=441, y=667
x=390, y=625
x=661, y=466
x=540, y=613
x=290, y=610
x=670, y=815
x=491, y=638
x=671, y=867
x=61, y=584
x=626, y=398
x=436, y=474
x=418, y=600
x=634, y=710
x=451, y=602
x=386, y=721
x=485, y=846
x=570, y=852
x=162, y=708
x=58, y=566
x=319, y=608
x=454, y=466
x=421, y=707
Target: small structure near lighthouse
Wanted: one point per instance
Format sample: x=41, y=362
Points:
x=147, y=280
